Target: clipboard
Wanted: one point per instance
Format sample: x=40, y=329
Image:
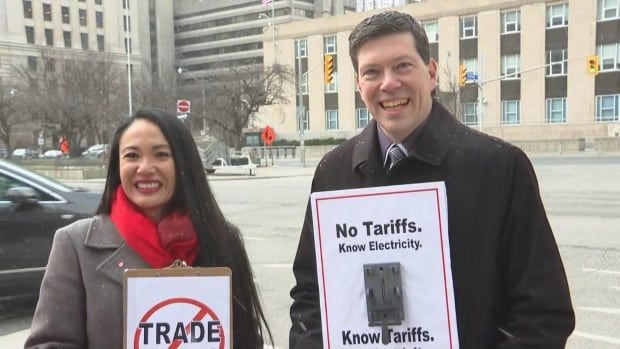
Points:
x=177, y=304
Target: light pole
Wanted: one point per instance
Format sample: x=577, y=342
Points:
x=180, y=71
x=272, y=25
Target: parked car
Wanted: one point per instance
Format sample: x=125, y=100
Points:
x=97, y=151
x=24, y=153
x=32, y=208
x=238, y=164
x=52, y=154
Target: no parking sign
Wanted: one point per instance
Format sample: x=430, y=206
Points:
x=177, y=308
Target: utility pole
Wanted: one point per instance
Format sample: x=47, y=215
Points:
x=301, y=111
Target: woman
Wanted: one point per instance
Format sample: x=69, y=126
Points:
x=156, y=207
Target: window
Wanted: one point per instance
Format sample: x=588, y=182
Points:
x=66, y=18
x=27, y=8
x=30, y=35
x=608, y=9
x=98, y=2
x=301, y=48
x=100, y=42
x=125, y=3
x=468, y=28
x=609, y=56
x=331, y=119
x=332, y=87
x=304, y=83
x=127, y=45
x=127, y=23
x=99, y=19
x=472, y=66
x=84, y=39
x=511, y=22
x=556, y=62
x=362, y=117
x=330, y=44
x=83, y=17
x=608, y=108
x=556, y=111
x=82, y=0
x=469, y=114
x=49, y=37
x=511, y=112
x=431, y=31
x=67, y=36
x=510, y=67
x=557, y=15
x=32, y=63
x=47, y=12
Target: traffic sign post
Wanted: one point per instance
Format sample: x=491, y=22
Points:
x=183, y=106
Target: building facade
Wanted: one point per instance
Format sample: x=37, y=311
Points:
x=209, y=34
x=69, y=27
x=527, y=63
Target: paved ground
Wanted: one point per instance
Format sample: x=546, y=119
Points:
x=581, y=194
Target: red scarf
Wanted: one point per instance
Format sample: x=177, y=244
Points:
x=159, y=244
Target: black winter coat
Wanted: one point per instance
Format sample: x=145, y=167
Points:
x=509, y=282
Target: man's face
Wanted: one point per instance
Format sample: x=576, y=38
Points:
x=395, y=83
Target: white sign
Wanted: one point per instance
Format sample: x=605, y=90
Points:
x=405, y=224
x=41, y=141
x=172, y=310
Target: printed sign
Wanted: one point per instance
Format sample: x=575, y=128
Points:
x=178, y=308
x=405, y=224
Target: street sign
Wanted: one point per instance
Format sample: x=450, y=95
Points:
x=268, y=135
x=183, y=106
x=41, y=140
x=471, y=76
x=301, y=112
x=182, y=117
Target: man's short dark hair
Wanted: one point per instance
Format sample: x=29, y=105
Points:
x=384, y=23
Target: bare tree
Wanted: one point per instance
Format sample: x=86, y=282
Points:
x=450, y=98
x=9, y=117
x=235, y=96
x=80, y=95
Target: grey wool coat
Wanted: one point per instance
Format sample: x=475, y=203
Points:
x=81, y=304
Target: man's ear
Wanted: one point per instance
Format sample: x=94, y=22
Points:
x=433, y=72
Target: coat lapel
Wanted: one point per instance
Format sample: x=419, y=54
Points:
x=431, y=147
x=102, y=235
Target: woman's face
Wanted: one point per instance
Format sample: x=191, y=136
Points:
x=147, y=168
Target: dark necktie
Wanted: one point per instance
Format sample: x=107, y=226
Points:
x=395, y=153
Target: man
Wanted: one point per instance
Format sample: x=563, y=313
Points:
x=510, y=288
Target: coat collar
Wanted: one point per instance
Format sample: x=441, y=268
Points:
x=102, y=235
x=430, y=147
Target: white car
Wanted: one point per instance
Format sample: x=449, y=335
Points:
x=97, y=151
x=52, y=154
x=24, y=153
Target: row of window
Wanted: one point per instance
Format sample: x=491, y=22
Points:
x=65, y=14
x=49, y=38
x=607, y=109
x=557, y=16
x=332, y=122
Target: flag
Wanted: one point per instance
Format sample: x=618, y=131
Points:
x=266, y=2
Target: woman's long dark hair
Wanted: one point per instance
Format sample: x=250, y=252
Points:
x=220, y=243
